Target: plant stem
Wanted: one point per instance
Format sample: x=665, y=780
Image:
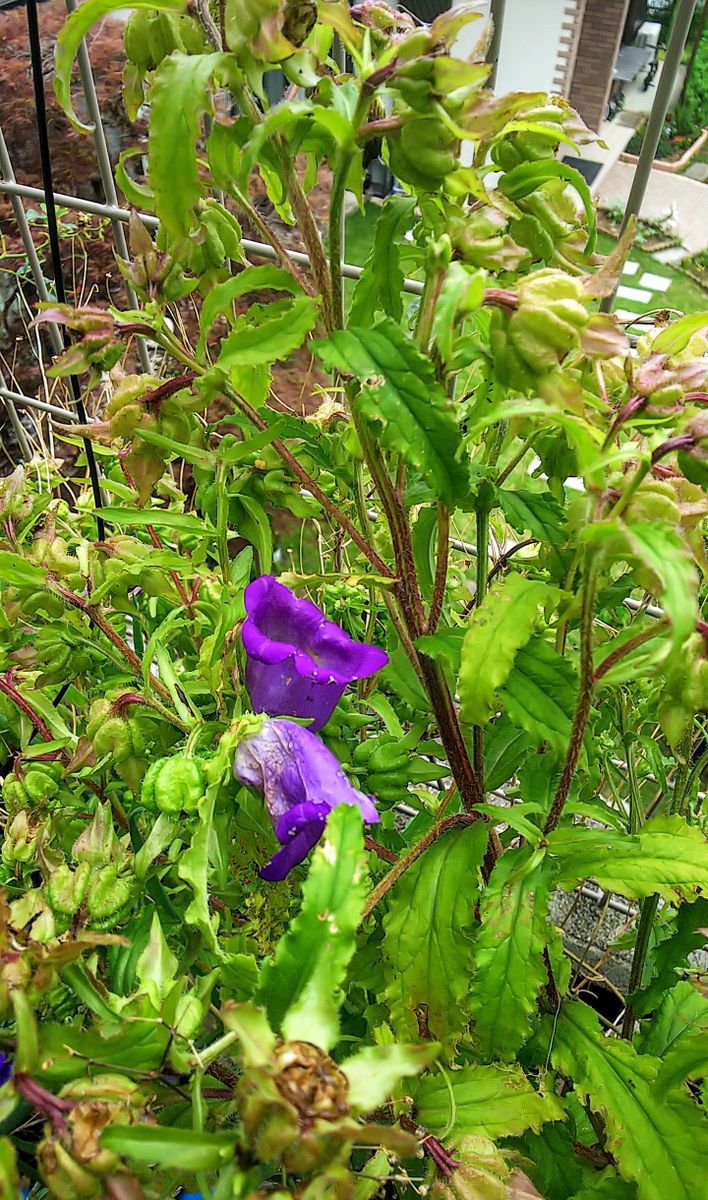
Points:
x=647, y=913
x=507, y=554
x=627, y=647
x=443, y=551
x=516, y=459
x=482, y=576
x=406, y=860
x=8, y=689
x=638, y=477
x=335, y=234
x=582, y=708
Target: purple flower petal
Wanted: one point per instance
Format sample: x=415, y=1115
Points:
x=298, y=663
x=301, y=781
x=5, y=1068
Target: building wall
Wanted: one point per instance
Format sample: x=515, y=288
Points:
x=537, y=45
x=598, y=44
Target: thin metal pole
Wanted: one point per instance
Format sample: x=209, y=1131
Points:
x=18, y=428
x=497, y=15
x=30, y=402
x=683, y=15
x=45, y=160
x=259, y=249
x=26, y=234
x=106, y=172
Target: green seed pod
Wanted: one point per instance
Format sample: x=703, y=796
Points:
x=65, y=889
x=107, y=896
x=135, y=38
x=173, y=785
x=422, y=152
x=20, y=840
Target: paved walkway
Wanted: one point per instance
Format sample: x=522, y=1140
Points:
x=686, y=198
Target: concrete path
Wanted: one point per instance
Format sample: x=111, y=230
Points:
x=686, y=198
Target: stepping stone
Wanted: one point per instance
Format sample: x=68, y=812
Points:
x=630, y=268
x=625, y=315
x=636, y=294
x=698, y=171
x=657, y=283
x=674, y=254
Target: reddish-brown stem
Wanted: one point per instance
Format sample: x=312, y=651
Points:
x=101, y=623
x=8, y=689
x=168, y=388
x=582, y=707
x=504, y=558
x=436, y=603
x=52, y=1107
x=387, y=855
x=627, y=647
x=179, y=586
x=300, y=473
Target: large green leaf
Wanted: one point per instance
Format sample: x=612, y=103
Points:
x=678, y=334
x=501, y=624
x=380, y=285
x=666, y=856
x=540, y=693
x=375, y=1071
x=179, y=96
x=16, y=571
x=658, y=1138
x=402, y=401
x=427, y=947
x=300, y=985
x=496, y=1101
x=221, y=297
x=176, y=1149
x=270, y=341
x=508, y=967
x=70, y=36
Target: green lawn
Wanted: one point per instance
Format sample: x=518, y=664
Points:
x=682, y=293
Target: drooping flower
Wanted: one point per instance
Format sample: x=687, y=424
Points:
x=301, y=782
x=298, y=663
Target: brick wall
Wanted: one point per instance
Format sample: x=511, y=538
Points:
x=600, y=35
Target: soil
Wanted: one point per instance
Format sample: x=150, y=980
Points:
x=90, y=271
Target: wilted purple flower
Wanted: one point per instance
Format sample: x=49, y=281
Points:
x=301, y=781
x=5, y=1068
x=298, y=663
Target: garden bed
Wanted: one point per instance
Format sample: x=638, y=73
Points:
x=674, y=166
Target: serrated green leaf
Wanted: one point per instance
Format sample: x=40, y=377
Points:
x=300, y=984
x=539, y=513
x=375, y=1071
x=502, y=623
x=191, y=454
x=270, y=341
x=666, y=856
x=176, y=1149
x=659, y=1139
x=179, y=96
x=402, y=401
x=380, y=285
x=69, y=39
x=496, y=1101
x=606, y=1185
x=508, y=968
x=220, y=298
x=427, y=947
x=540, y=694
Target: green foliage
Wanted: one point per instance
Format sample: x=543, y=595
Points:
x=485, y=481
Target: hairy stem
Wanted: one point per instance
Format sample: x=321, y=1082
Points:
x=582, y=707
x=8, y=689
x=647, y=914
x=482, y=578
x=626, y=648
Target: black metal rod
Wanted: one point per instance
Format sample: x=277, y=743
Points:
x=53, y=230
